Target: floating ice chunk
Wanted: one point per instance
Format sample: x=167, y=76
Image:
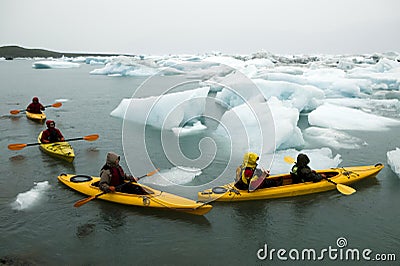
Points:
x=333, y=138
x=61, y=100
x=301, y=97
x=189, y=130
x=384, y=107
x=245, y=123
x=344, y=118
x=393, y=158
x=165, y=112
x=54, y=64
x=227, y=60
x=385, y=72
x=260, y=62
x=27, y=199
x=287, y=134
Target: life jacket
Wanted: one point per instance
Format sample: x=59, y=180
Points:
x=117, y=176
x=246, y=172
x=35, y=108
x=53, y=135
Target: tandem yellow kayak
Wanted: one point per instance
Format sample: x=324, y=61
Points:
x=62, y=150
x=36, y=117
x=335, y=178
x=152, y=198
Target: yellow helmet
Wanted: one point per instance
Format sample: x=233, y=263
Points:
x=250, y=159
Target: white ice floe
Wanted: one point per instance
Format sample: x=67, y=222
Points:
x=332, y=138
x=393, y=159
x=189, y=130
x=260, y=125
x=168, y=111
x=29, y=198
x=54, y=64
x=344, y=118
x=301, y=97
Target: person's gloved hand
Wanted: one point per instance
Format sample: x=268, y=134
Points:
x=111, y=188
x=132, y=179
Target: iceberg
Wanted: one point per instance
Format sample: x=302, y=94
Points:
x=54, y=64
x=344, y=118
x=189, y=130
x=333, y=138
x=167, y=111
x=301, y=97
x=261, y=126
x=393, y=159
x=29, y=198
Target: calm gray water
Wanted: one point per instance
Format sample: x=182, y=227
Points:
x=53, y=232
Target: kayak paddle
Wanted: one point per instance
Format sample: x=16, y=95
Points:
x=56, y=105
x=20, y=146
x=346, y=190
x=86, y=200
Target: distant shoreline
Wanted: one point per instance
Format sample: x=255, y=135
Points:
x=11, y=52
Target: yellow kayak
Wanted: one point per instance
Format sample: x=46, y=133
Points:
x=36, y=117
x=341, y=176
x=62, y=150
x=154, y=199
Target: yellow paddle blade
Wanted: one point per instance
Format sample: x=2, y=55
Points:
x=56, y=105
x=152, y=173
x=15, y=112
x=289, y=159
x=17, y=146
x=91, y=137
x=346, y=190
x=83, y=201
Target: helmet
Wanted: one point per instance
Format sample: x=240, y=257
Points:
x=35, y=99
x=48, y=122
x=250, y=159
x=302, y=159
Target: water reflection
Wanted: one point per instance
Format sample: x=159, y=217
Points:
x=85, y=230
x=112, y=216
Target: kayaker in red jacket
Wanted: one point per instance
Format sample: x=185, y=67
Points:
x=51, y=134
x=248, y=172
x=35, y=106
x=112, y=177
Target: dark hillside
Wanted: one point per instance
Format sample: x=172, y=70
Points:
x=11, y=52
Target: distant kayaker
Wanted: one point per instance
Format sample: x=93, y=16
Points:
x=248, y=172
x=301, y=172
x=51, y=134
x=35, y=106
x=112, y=177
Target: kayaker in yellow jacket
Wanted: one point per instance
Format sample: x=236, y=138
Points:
x=248, y=172
x=112, y=177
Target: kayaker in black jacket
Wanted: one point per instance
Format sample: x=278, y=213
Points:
x=301, y=172
x=112, y=177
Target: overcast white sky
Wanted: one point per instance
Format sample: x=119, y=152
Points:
x=187, y=26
